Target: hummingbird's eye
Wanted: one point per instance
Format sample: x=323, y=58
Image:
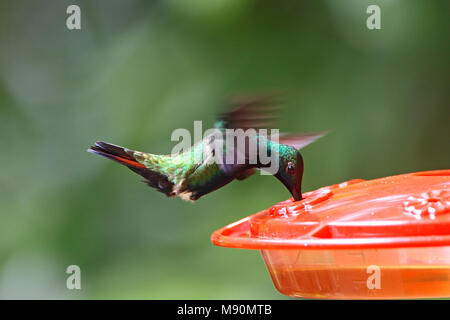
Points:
x=290, y=168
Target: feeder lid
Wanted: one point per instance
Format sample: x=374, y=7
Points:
x=409, y=210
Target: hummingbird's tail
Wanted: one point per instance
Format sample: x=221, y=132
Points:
x=153, y=177
x=117, y=153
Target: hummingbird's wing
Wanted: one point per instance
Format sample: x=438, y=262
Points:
x=250, y=112
x=301, y=140
x=257, y=112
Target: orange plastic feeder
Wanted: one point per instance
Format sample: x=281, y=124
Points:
x=378, y=239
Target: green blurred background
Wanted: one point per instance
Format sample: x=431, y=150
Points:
x=139, y=69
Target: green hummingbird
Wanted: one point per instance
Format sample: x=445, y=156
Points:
x=209, y=165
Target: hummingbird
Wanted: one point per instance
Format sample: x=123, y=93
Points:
x=196, y=171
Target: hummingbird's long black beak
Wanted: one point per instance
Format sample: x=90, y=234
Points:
x=296, y=192
x=294, y=186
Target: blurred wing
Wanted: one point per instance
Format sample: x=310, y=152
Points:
x=299, y=141
x=257, y=112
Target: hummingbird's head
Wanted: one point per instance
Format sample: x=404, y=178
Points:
x=290, y=171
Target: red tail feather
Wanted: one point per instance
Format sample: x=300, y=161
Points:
x=115, y=153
